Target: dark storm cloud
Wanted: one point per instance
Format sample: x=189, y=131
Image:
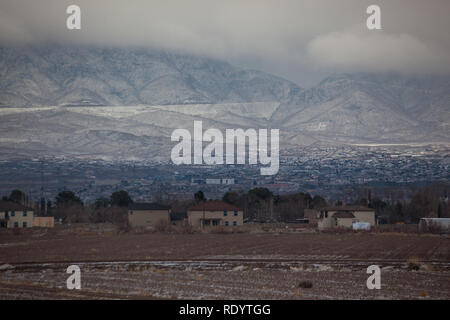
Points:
x=300, y=40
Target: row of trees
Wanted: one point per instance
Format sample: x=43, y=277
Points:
x=17, y=196
x=262, y=204
x=259, y=204
x=425, y=202
x=69, y=207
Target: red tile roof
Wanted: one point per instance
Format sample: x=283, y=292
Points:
x=214, y=205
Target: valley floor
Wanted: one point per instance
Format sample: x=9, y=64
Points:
x=222, y=266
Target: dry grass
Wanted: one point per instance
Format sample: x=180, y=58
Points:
x=163, y=226
x=396, y=228
x=166, y=227
x=341, y=230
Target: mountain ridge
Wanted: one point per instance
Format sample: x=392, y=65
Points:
x=59, y=76
x=123, y=102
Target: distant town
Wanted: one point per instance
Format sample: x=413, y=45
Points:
x=335, y=173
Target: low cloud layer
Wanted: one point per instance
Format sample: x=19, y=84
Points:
x=299, y=40
x=376, y=52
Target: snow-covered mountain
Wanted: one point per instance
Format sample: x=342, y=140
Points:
x=61, y=76
x=124, y=103
x=375, y=107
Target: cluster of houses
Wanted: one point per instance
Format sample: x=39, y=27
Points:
x=219, y=213
x=205, y=214
x=342, y=216
x=210, y=213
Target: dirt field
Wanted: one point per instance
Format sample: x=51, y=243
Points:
x=223, y=266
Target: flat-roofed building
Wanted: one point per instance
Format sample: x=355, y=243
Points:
x=147, y=214
x=44, y=222
x=434, y=224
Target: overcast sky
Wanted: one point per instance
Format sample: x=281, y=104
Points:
x=299, y=40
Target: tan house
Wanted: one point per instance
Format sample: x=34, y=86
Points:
x=345, y=216
x=215, y=213
x=14, y=215
x=147, y=214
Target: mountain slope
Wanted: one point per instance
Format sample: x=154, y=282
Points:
x=375, y=107
x=124, y=103
x=59, y=76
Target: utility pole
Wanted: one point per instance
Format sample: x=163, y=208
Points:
x=41, y=198
x=203, y=222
